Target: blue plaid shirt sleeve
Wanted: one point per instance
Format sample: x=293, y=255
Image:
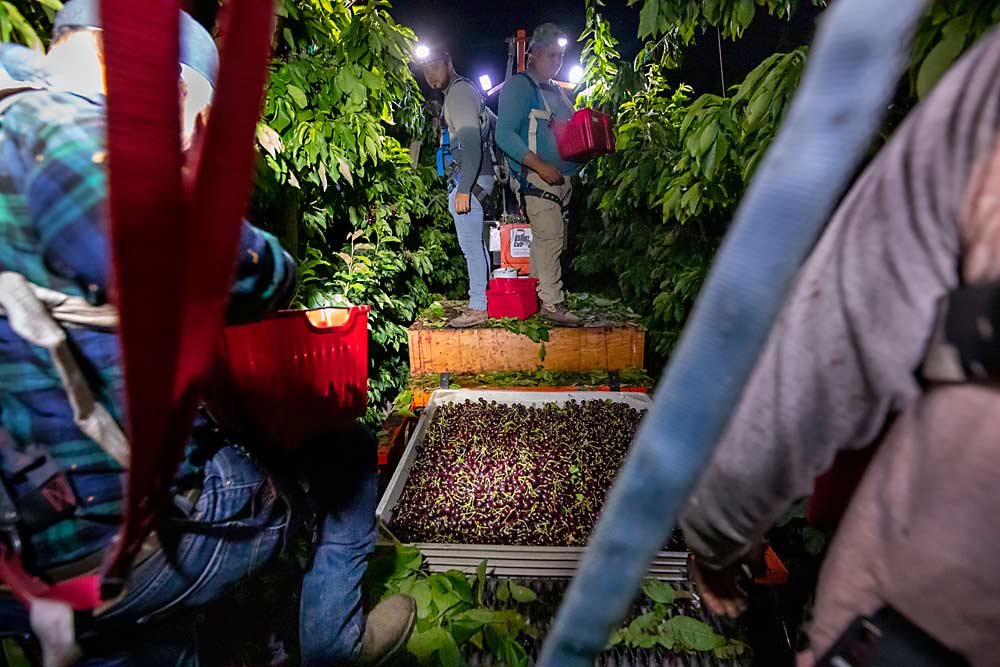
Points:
x=64, y=180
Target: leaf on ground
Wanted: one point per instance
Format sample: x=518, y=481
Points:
x=659, y=591
x=691, y=634
x=503, y=591
x=522, y=594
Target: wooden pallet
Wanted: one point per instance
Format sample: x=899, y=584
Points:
x=611, y=347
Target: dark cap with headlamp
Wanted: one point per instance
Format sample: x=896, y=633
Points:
x=197, y=48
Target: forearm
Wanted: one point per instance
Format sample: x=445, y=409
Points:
x=533, y=162
x=472, y=158
x=265, y=276
x=840, y=361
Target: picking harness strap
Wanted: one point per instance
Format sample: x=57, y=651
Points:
x=32, y=320
x=963, y=345
x=172, y=301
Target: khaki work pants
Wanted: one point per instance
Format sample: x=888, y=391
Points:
x=548, y=237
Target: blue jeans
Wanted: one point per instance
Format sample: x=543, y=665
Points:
x=237, y=527
x=470, y=238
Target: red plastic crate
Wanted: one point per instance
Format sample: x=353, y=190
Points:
x=586, y=135
x=294, y=376
x=512, y=297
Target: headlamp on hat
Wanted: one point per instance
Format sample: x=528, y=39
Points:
x=425, y=55
x=197, y=48
x=547, y=34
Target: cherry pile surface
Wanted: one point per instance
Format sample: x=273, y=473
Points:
x=493, y=473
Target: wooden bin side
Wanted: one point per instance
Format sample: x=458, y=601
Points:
x=477, y=350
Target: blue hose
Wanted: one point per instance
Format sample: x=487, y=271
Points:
x=859, y=54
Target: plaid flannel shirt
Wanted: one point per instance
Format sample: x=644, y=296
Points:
x=53, y=224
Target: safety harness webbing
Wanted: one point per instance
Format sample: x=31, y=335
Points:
x=173, y=237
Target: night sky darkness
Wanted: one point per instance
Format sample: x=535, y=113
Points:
x=474, y=34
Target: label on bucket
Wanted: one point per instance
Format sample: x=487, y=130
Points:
x=520, y=243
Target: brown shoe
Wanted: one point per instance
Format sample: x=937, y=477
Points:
x=468, y=318
x=559, y=314
x=387, y=629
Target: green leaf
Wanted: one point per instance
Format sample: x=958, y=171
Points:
x=814, y=541
x=503, y=591
x=460, y=586
x=659, y=591
x=408, y=560
x=345, y=170
x=13, y=654
x=26, y=32
x=693, y=112
x=715, y=156
x=708, y=138
x=744, y=13
x=438, y=641
x=462, y=629
x=480, y=581
x=690, y=199
x=691, y=634
x=422, y=595
x=648, y=18
x=298, y=95
x=522, y=594
x=731, y=650
x=937, y=63
x=760, y=103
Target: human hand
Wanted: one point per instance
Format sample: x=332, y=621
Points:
x=463, y=203
x=550, y=174
x=725, y=591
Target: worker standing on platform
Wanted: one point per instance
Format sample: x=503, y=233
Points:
x=529, y=103
x=466, y=159
x=60, y=412
x=889, y=337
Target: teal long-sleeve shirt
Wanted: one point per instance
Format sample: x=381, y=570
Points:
x=517, y=99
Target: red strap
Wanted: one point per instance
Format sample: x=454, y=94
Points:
x=173, y=245
x=146, y=204
x=80, y=593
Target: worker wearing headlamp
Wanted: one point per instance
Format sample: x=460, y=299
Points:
x=61, y=408
x=529, y=104
x=466, y=130
x=887, y=340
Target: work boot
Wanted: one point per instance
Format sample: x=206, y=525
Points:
x=468, y=318
x=387, y=629
x=559, y=314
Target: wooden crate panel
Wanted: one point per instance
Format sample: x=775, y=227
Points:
x=475, y=350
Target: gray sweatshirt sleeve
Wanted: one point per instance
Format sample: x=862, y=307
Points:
x=840, y=360
x=464, y=104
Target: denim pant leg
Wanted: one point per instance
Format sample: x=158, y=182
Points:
x=345, y=481
x=469, y=227
x=237, y=527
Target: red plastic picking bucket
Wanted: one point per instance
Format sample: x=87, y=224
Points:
x=293, y=376
x=584, y=136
